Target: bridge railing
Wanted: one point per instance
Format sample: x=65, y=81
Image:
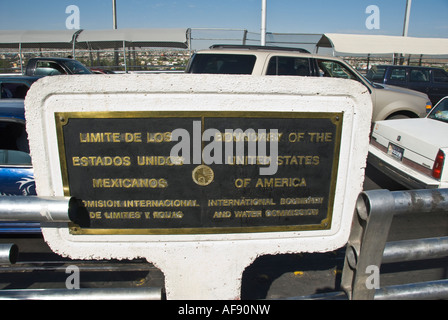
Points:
x=368, y=248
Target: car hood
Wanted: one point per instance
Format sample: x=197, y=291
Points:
x=422, y=136
x=401, y=90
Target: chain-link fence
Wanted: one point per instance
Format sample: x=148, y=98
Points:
x=140, y=59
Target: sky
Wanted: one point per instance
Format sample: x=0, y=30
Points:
x=429, y=18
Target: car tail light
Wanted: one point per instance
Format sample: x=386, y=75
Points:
x=438, y=165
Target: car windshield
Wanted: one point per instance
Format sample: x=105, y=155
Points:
x=440, y=111
x=77, y=67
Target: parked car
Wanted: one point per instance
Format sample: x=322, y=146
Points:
x=432, y=81
x=54, y=66
x=389, y=102
x=413, y=151
x=16, y=171
x=15, y=87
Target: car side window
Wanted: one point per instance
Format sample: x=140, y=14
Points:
x=14, y=148
x=419, y=75
x=45, y=68
x=335, y=69
x=398, y=74
x=5, y=92
x=13, y=90
x=440, y=76
x=288, y=66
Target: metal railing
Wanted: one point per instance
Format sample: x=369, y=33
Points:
x=55, y=210
x=61, y=266
x=37, y=209
x=43, y=209
x=8, y=253
x=368, y=247
x=144, y=293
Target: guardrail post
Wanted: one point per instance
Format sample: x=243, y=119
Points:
x=367, y=246
x=367, y=240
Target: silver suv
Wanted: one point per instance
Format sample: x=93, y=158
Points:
x=389, y=102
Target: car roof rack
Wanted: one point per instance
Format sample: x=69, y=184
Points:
x=253, y=47
x=407, y=66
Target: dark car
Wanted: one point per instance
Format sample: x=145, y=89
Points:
x=15, y=87
x=54, y=66
x=16, y=171
x=429, y=80
x=101, y=71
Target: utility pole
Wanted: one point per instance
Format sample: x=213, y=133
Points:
x=406, y=18
x=114, y=17
x=263, y=22
x=114, y=10
x=405, y=27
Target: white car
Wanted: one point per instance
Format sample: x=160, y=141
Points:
x=413, y=151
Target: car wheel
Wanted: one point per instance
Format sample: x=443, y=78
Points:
x=396, y=116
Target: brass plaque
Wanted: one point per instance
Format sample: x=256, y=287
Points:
x=121, y=164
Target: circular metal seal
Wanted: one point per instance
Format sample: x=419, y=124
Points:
x=203, y=175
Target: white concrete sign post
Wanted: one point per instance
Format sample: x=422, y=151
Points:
x=200, y=174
